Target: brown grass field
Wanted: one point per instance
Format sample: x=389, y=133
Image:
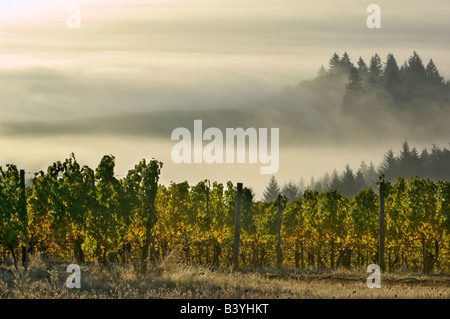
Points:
x=168, y=279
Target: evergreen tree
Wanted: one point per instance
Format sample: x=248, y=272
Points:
x=391, y=75
x=363, y=70
x=403, y=70
x=348, y=182
x=322, y=72
x=272, y=190
x=433, y=75
x=312, y=183
x=335, y=63
x=354, y=81
x=360, y=182
x=326, y=181
x=302, y=185
x=425, y=162
x=354, y=91
x=336, y=183
x=415, y=164
x=315, y=185
x=291, y=191
x=375, y=68
x=404, y=160
x=371, y=176
x=416, y=70
x=345, y=63
x=389, y=166
x=391, y=69
x=439, y=163
x=409, y=162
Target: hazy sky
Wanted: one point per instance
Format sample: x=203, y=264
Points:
x=140, y=56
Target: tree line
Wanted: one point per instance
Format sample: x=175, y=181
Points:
x=411, y=86
x=433, y=164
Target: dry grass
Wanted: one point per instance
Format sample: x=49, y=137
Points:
x=168, y=279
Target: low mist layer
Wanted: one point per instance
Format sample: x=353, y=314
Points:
x=345, y=104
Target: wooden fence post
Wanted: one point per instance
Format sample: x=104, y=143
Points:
x=237, y=226
x=279, y=256
x=382, y=229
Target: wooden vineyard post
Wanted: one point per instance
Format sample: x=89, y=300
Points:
x=279, y=256
x=24, y=236
x=424, y=256
x=382, y=229
x=237, y=226
x=206, y=245
x=207, y=202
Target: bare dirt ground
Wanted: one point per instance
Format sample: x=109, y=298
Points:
x=168, y=280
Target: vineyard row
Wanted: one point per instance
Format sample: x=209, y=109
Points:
x=73, y=212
